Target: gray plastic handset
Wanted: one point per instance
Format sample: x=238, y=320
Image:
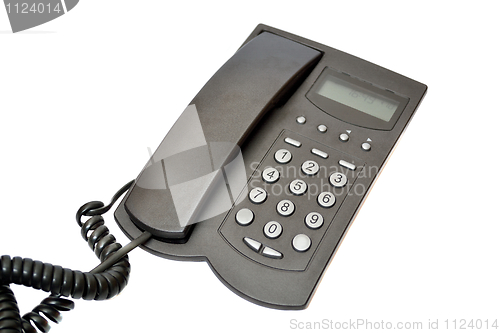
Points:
x=168, y=194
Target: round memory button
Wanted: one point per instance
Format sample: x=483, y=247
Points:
x=244, y=216
x=310, y=168
x=366, y=146
x=344, y=137
x=301, y=120
x=298, y=187
x=283, y=156
x=285, y=208
x=338, y=179
x=270, y=175
x=322, y=128
x=301, y=243
x=314, y=220
x=273, y=229
x=257, y=195
x=326, y=199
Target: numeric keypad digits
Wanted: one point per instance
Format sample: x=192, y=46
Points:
x=273, y=229
x=294, y=194
x=310, y=168
x=314, y=220
x=338, y=179
x=283, y=156
x=270, y=175
x=285, y=208
x=257, y=195
x=326, y=199
x=298, y=187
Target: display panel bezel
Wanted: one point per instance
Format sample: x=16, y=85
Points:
x=349, y=114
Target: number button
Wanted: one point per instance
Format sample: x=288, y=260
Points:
x=326, y=199
x=314, y=220
x=270, y=175
x=273, y=229
x=285, y=208
x=298, y=187
x=257, y=195
x=283, y=156
x=338, y=179
x=310, y=168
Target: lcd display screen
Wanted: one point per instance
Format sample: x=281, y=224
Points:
x=358, y=98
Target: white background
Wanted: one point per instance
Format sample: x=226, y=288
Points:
x=82, y=97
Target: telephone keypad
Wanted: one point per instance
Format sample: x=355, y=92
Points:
x=294, y=195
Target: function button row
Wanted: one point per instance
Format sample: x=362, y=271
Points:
x=344, y=137
x=267, y=251
x=300, y=243
x=284, y=156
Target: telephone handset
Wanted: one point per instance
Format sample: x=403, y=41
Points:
x=265, y=170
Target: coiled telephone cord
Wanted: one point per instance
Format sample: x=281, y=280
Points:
x=103, y=282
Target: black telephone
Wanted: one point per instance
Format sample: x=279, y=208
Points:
x=265, y=170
